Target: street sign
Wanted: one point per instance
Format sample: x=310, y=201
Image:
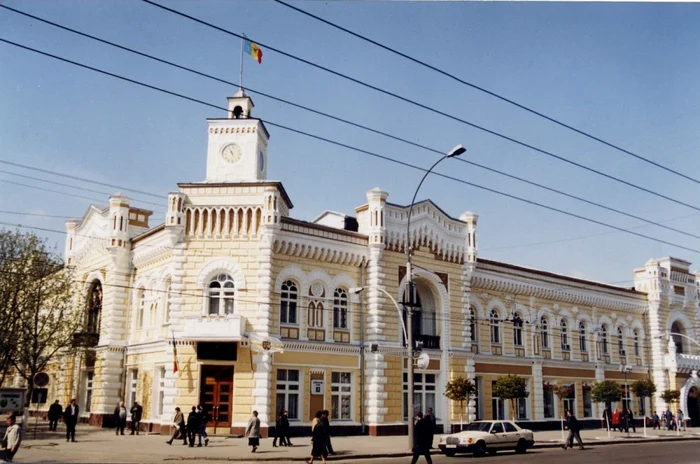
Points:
x=41, y=380
x=39, y=395
x=11, y=400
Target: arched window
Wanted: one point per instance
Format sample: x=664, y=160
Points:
x=221, y=294
x=564, y=329
x=473, y=326
x=168, y=300
x=340, y=309
x=94, y=307
x=495, y=327
x=141, y=301
x=314, y=316
x=620, y=342
x=636, y=342
x=517, y=330
x=544, y=332
x=582, y=337
x=288, y=303
x=604, y=338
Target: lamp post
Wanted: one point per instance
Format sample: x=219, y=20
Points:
x=358, y=290
x=456, y=151
x=625, y=368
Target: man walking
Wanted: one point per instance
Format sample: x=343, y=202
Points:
x=203, y=419
x=120, y=418
x=574, y=427
x=55, y=412
x=421, y=435
x=70, y=418
x=192, y=425
x=179, y=424
x=669, y=419
x=431, y=423
x=11, y=441
x=655, y=421
x=630, y=421
x=136, y=412
x=285, y=427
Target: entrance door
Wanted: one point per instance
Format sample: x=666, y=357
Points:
x=694, y=406
x=216, y=394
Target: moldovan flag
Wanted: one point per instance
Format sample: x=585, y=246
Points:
x=253, y=50
x=174, y=355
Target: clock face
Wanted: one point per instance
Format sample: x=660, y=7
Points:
x=261, y=161
x=231, y=153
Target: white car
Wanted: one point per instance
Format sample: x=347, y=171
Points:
x=483, y=437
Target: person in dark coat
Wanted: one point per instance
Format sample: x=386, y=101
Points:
x=252, y=431
x=55, y=413
x=421, y=439
x=624, y=421
x=136, y=413
x=656, y=421
x=630, y=421
x=120, y=417
x=319, y=447
x=279, y=431
x=574, y=427
x=285, y=427
x=203, y=419
x=70, y=418
x=192, y=425
x=327, y=429
x=430, y=420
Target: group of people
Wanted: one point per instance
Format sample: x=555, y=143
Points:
x=189, y=430
x=70, y=417
x=120, y=414
x=677, y=422
x=620, y=420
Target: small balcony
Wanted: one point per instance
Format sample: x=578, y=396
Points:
x=229, y=328
x=430, y=342
x=85, y=339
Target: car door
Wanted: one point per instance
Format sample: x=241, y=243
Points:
x=498, y=436
x=512, y=434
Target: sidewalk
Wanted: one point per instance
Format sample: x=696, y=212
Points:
x=102, y=445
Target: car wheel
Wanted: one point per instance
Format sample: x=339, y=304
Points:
x=479, y=449
x=521, y=447
x=450, y=453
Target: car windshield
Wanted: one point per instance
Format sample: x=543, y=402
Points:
x=478, y=427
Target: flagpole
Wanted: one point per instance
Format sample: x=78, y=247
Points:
x=240, y=80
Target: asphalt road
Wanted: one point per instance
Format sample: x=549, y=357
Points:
x=675, y=453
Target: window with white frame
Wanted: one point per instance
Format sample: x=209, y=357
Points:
x=587, y=402
x=570, y=400
x=340, y=309
x=521, y=404
x=288, y=387
x=544, y=332
x=620, y=342
x=564, y=333
x=152, y=313
x=168, y=300
x=161, y=390
x=548, y=403
x=314, y=315
x=583, y=346
x=141, y=299
x=288, y=303
x=498, y=406
x=89, y=377
x=133, y=385
x=473, y=325
x=341, y=396
x=495, y=327
x=636, y=343
x=517, y=331
x=220, y=294
x=604, y=338
x=424, y=391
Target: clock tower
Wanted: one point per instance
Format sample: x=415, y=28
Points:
x=237, y=149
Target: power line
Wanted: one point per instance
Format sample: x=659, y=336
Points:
x=49, y=190
x=350, y=147
x=351, y=123
x=486, y=91
x=425, y=107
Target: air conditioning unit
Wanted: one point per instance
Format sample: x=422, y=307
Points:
x=622, y=353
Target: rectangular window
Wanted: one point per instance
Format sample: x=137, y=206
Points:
x=548, y=394
x=161, y=390
x=626, y=397
x=341, y=396
x=570, y=401
x=642, y=406
x=518, y=333
x=587, y=403
x=133, y=383
x=288, y=387
x=498, y=406
x=424, y=388
x=477, y=397
x=522, y=408
x=90, y=375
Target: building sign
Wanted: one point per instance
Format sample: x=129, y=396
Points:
x=11, y=400
x=317, y=387
x=217, y=351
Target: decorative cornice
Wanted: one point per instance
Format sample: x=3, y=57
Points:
x=335, y=348
x=320, y=249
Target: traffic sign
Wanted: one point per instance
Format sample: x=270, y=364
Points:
x=41, y=379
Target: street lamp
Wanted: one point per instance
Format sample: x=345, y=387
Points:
x=358, y=290
x=456, y=151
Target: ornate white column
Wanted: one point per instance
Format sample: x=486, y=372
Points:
x=538, y=413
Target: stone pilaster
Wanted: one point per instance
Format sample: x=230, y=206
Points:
x=470, y=371
x=108, y=380
x=537, y=391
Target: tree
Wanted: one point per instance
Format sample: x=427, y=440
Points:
x=41, y=310
x=512, y=388
x=460, y=389
x=643, y=388
x=671, y=396
x=607, y=391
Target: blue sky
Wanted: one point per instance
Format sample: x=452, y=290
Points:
x=626, y=72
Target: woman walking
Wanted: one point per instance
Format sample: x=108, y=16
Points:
x=319, y=447
x=279, y=431
x=253, y=431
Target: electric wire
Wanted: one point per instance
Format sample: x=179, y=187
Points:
x=426, y=107
x=353, y=148
x=5, y=181
x=351, y=123
x=486, y=91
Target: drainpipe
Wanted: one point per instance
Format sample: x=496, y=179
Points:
x=362, y=351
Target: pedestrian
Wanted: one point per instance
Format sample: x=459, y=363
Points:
x=279, y=430
x=12, y=439
x=179, y=424
x=432, y=423
x=285, y=427
x=624, y=420
x=574, y=427
x=55, y=412
x=327, y=429
x=120, y=417
x=616, y=420
x=655, y=421
x=668, y=415
x=203, y=419
x=680, y=420
x=253, y=431
x=70, y=418
x=192, y=425
x=319, y=447
x=136, y=413
x=630, y=421
x=421, y=435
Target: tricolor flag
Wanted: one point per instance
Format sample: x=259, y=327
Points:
x=253, y=50
x=174, y=355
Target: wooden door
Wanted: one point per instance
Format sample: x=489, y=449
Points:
x=216, y=394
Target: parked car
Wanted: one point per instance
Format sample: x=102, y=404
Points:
x=483, y=437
